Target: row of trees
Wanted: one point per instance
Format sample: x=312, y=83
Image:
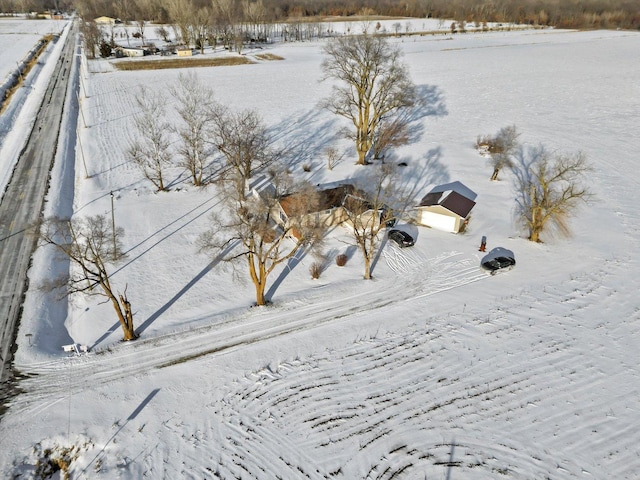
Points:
x=566, y=13
x=205, y=128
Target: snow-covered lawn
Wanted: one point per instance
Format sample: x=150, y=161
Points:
x=433, y=369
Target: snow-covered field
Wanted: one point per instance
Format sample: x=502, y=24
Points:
x=17, y=39
x=18, y=36
x=431, y=370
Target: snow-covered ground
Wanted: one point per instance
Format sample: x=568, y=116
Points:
x=18, y=38
x=433, y=369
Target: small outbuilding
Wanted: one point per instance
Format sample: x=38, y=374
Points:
x=184, y=52
x=446, y=207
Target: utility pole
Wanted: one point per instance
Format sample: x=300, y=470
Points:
x=84, y=162
x=84, y=122
x=113, y=228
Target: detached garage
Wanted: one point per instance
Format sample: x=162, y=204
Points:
x=446, y=207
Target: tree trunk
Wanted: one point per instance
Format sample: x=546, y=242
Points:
x=129, y=331
x=495, y=174
x=534, y=236
x=260, y=300
x=536, y=225
x=367, y=268
x=125, y=316
x=362, y=157
x=259, y=279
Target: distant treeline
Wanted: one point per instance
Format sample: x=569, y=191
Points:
x=609, y=14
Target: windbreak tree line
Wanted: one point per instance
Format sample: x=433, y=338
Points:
x=565, y=14
x=203, y=128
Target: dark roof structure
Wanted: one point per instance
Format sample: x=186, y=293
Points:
x=328, y=199
x=450, y=199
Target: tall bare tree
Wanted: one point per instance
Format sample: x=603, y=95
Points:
x=257, y=19
x=91, y=35
x=247, y=229
x=201, y=22
x=196, y=107
x=243, y=140
x=150, y=148
x=373, y=83
x=371, y=209
x=228, y=15
x=92, y=246
x=179, y=12
x=548, y=190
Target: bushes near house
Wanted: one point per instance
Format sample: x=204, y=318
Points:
x=316, y=269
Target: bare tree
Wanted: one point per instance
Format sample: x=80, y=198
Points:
x=150, y=149
x=91, y=35
x=371, y=209
x=373, y=84
x=247, y=229
x=201, y=20
x=257, y=19
x=196, y=108
x=392, y=132
x=333, y=157
x=501, y=147
x=228, y=14
x=179, y=12
x=548, y=191
x=91, y=245
x=243, y=140
x=163, y=33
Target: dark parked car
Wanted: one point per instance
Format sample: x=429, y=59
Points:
x=402, y=239
x=498, y=259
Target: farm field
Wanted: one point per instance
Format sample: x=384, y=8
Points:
x=432, y=369
x=18, y=36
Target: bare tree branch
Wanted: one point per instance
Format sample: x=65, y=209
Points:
x=91, y=245
x=548, y=190
x=196, y=108
x=150, y=150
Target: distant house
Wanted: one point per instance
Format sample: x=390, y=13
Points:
x=105, y=21
x=131, y=52
x=184, y=52
x=446, y=207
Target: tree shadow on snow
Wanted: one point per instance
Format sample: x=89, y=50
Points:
x=152, y=318
x=415, y=177
x=291, y=264
x=304, y=140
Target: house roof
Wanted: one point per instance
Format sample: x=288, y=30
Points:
x=449, y=199
x=328, y=199
x=458, y=187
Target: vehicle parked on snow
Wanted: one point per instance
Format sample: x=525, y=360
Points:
x=498, y=259
x=402, y=239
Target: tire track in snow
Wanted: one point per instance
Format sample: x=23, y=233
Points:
x=49, y=381
x=375, y=392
